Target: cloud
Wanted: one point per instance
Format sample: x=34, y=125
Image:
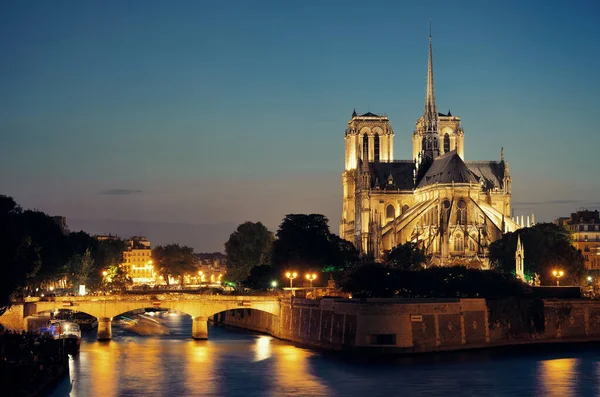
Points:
x=119, y=192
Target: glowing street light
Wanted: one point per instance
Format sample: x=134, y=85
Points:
x=105, y=273
x=589, y=279
x=273, y=284
x=311, y=278
x=291, y=276
x=558, y=274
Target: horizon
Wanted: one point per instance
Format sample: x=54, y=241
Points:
x=182, y=122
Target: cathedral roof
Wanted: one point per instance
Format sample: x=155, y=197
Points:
x=490, y=174
x=369, y=114
x=448, y=168
x=399, y=173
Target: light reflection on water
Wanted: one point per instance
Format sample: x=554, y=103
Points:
x=240, y=364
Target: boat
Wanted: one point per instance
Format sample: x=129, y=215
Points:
x=67, y=331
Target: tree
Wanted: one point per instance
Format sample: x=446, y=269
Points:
x=248, y=246
x=304, y=243
x=407, y=256
x=547, y=247
x=261, y=277
x=174, y=260
x=116, y=278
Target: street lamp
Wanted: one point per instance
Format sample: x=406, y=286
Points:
x=291, y=276
x=311, y=278
x=589, y=279
x=558, y=274
x=273, y=284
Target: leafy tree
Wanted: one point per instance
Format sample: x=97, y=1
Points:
x=261, y=277
x=174, y=260
x=547, y=247
x=407, y=256
x=116, y=278
x=84, y=270
x=248, y=246
x=304, y=243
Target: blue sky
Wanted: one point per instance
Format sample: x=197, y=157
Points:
x=125, y=116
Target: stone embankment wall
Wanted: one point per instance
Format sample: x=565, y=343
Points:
x=411, y=326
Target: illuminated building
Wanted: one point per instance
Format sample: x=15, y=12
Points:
x=585, y=226
x=137, y=260
x=211, y=267
x=451, y=207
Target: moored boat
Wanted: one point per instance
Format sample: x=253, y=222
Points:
x=66, y=331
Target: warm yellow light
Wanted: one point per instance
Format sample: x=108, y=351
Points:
x=150, y=262
x=104, y=273
x=560, y=273
x=294, y=274
x=554, y=272
x=308, y=276
x=288, y=275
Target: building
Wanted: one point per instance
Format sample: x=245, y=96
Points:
x=211, y=267
x=451, y=207
x=585, y=226
x=61, y=221
x=137, y=260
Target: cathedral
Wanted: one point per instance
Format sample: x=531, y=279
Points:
x=451, y=207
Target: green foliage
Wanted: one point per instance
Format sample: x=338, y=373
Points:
x=248, y=246
x=547, y=247
x=304, y=243
x=407, y=256
x=116, y=278
x=378, y=280
x=174, y=260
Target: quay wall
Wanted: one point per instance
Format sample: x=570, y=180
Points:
x=413, y=326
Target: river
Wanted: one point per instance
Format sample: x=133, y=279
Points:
x=233, y=363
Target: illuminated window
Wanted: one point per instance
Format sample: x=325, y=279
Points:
x=459, y=243
x=365, y=148
x=461, y=212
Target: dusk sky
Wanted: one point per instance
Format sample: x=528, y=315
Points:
x=180, y=120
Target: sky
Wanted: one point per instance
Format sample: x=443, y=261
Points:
x=181, y=120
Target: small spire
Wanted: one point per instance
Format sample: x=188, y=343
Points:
x=430, y=113
x=354, y=113
x=502, y=154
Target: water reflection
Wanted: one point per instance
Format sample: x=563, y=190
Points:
x=556, y=377
x=292, y=373
x=262, y=348
x=241, y=364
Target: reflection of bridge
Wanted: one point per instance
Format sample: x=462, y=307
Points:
x=199, y=307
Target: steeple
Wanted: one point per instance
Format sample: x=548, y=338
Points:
x=520, y=260
x=430, y=114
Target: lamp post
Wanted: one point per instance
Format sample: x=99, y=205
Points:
x=558, y=274
x=311, y=278
x=291, y=276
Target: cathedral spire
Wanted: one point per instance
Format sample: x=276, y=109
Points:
x=430, y=115
x=430, y=135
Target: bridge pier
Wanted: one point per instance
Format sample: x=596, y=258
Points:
x=200, y=328
x=104, y=328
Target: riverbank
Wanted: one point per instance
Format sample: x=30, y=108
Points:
x=391, y=327
x=30, y=363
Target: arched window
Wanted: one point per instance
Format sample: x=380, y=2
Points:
x=472, y=243
x=446, y=143
x=365, y=148
x=459, y=243
x=390, y=212
x=461, y=212
x=405, y=208
x=376, y=146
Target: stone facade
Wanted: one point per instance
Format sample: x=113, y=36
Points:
x=451, y=207
x=585, y=226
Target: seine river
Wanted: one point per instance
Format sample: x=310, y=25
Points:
x=236, y=364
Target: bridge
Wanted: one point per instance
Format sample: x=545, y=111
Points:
x=105, y=308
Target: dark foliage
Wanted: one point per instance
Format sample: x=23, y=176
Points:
x=248, y=246
x=260, y=277
x=407, y=256
x=547, y=247
x=304, y=244
x=380, y=281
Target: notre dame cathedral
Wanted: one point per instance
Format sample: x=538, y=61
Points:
x=451, y=207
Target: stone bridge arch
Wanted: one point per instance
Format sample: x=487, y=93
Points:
x=199, y=307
